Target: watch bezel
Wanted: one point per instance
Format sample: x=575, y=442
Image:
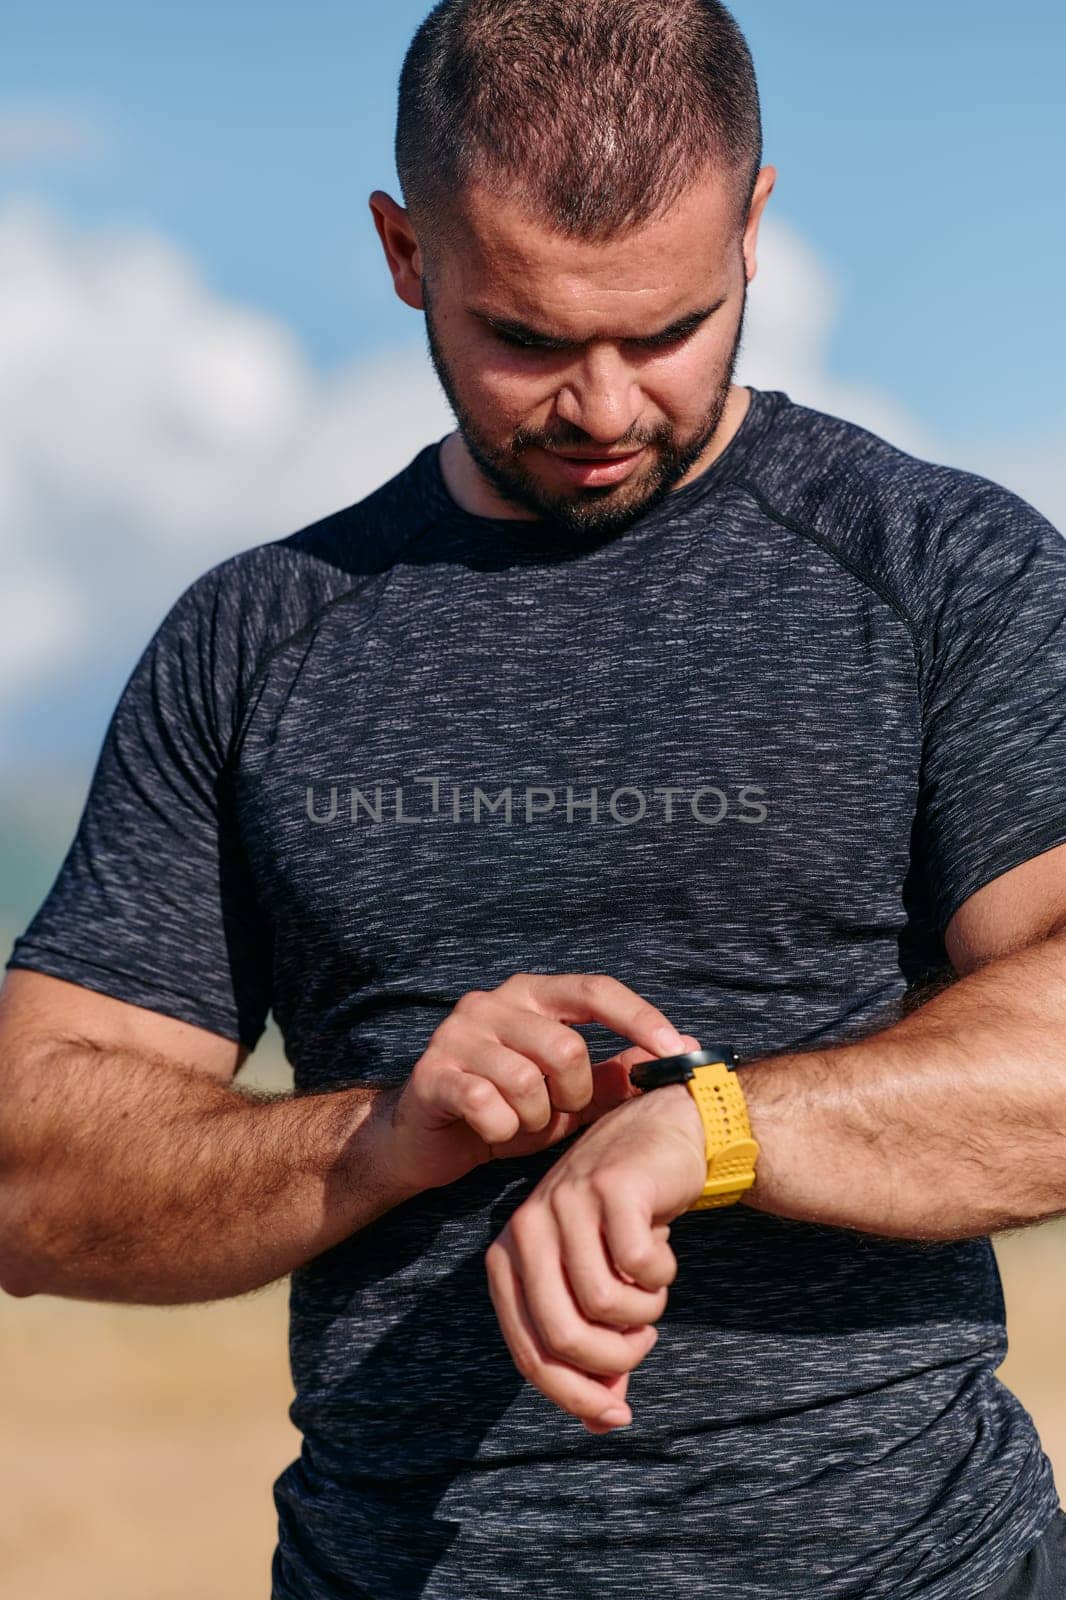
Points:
x=655, y=1074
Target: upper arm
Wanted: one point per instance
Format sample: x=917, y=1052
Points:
x=991, y=811
x=37, y=1011
x=156, y=907
x=1016, y=909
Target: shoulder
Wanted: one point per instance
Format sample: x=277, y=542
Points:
x=253, y=601
x=215, y=641
x=914, y=527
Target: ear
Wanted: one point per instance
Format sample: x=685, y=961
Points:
x=401, y=247
x=764, y=188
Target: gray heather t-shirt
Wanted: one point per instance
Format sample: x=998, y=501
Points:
x=819, y=698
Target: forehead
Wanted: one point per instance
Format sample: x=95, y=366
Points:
x=507, y=258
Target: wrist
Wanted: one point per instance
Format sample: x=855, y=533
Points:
x=674, y=1105
x=373, y=1150
x=710, y=1111
x=677, y=1099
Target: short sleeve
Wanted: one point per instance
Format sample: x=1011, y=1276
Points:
x=154, y=902
x=993, y=782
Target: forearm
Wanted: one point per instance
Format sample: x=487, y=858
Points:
x=132, y=1180
x=949, y=1124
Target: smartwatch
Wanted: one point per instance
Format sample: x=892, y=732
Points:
x=711, y=1078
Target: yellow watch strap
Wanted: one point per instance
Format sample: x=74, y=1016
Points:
x=731, y=1150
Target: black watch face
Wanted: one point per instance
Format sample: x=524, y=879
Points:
x=678, y=1069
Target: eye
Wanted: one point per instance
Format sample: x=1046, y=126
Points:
x=670, y=342
x=518, y=344
x=649, y=344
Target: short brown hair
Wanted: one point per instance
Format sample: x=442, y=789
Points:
x=595, y=115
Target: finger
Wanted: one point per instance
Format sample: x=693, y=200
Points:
x=638, y=1250
x=661, y=1230
x=520, y=1082
x=476, y=1099
x=617, y=1388
x=587, y=1230
x=561, y=1126
x=452, y=1093
x=597, y=997
x=564, y=1329
x=560, y=1053
x=611, y=1085
x=579, y=1393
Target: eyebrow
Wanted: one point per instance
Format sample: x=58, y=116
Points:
x=547, y=341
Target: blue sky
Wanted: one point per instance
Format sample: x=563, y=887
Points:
x=919, y=146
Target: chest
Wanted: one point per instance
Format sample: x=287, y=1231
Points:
x=472, y=763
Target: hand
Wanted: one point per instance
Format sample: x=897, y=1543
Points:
x=582, y=1268
x=503, y=1075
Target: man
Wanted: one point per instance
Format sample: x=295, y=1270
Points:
x=756, y=734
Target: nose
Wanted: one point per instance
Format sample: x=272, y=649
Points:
x=602, y=398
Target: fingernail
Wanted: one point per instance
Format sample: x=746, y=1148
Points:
x=669, y=1041
x=614, y=1418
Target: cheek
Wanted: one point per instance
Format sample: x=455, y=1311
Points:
x=683, y=388
x=498, y=382
x=677, y=390
x=508, y=399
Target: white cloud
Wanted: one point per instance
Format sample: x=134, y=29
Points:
x=148, y=428
x=41, y=622
x=128, y=385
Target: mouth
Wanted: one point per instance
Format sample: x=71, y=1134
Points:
x=609, y=468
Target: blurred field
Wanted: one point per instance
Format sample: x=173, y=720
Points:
x=140, y=1444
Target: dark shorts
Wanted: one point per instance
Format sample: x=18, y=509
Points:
x=1040, y=1575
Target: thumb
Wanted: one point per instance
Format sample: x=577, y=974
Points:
x=610, y=1079
x=617, y=1386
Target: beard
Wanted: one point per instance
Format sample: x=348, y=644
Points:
x=599, y=511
